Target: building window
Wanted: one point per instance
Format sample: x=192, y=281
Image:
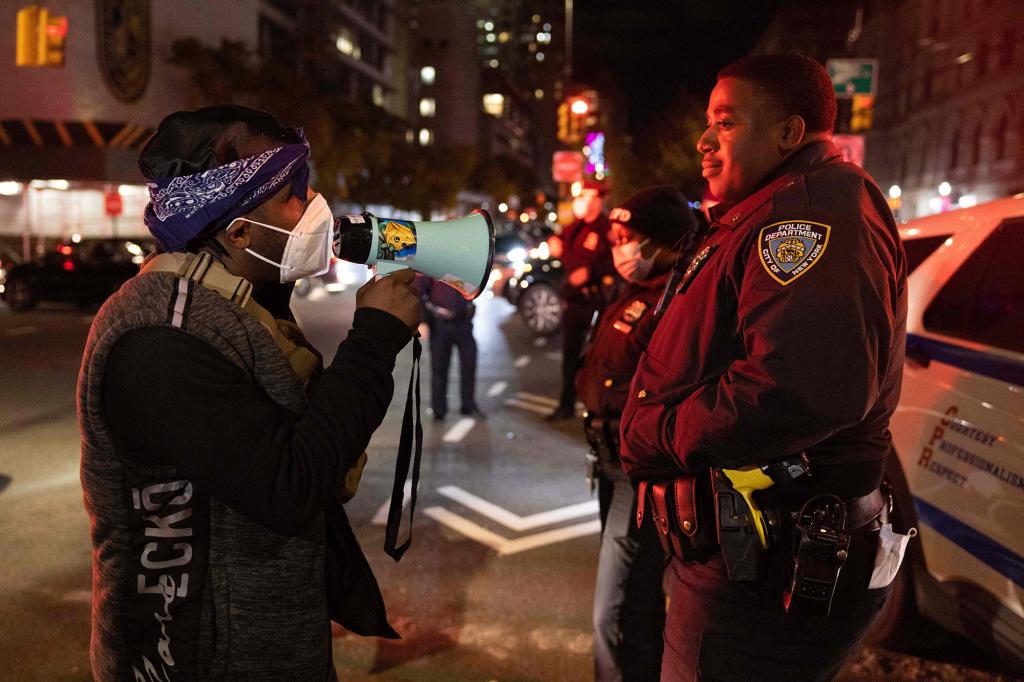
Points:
x=999, y=145
x=346, y=44
x=427, y=107
x=543, y=37
x=427, y=75
x=494, y=103
x=379, y=98
x=538, y=93
x=426, y=137
x=540, y=56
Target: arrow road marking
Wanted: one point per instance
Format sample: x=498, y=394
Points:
x=542, y=399
x=459, y=430
x=506, y=547
x=514, y=521
x=381, y=517
x=532, y=403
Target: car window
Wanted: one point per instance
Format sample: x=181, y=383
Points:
x=984, y=300
x=919, y=249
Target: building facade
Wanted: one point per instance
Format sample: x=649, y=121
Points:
x=70, y=135
x=949, y=113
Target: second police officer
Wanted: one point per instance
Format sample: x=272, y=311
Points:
x=649, y=230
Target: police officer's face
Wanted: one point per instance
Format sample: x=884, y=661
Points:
x=743, y=140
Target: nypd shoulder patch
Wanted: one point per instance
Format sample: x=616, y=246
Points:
x=790, y=248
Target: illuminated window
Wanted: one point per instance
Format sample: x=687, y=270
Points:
x=536, y=18
x=494, y=103
x=540, y=56
x=538, y=93
x=379, y=98
x=543, y=38
x=346, y=44
x=427, y=75
x=427, y=107
x=504, y=36
x=489, y=25
x=426, y=137
x=491, y=37
x=410, y=135
x=493, y=63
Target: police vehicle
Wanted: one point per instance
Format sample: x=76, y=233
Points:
x=958, y=433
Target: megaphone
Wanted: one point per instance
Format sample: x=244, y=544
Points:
x=457, y=252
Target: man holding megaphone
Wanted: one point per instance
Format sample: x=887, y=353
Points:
x=216, y=449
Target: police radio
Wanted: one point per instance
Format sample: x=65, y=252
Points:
x=822, y=547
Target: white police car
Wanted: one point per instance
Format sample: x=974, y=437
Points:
x=959, y=429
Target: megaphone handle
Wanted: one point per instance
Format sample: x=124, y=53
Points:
x=385, y=268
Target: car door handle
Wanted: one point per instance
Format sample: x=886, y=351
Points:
x=918, y=355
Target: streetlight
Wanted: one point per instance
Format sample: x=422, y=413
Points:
x=895, y=192
x=579, y=106
x=945, y=189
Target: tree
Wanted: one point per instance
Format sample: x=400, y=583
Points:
x=360, y=152
x=665, y=152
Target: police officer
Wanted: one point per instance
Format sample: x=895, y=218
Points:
x=450, y=318
x=785, y=337
x=648, y=231
x=586, y=258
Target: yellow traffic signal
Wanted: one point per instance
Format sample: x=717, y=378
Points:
x=563, y=122
x=41, y=37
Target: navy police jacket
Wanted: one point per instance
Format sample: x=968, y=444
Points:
x=786, y=335
x=622, y=333
x=586, y=245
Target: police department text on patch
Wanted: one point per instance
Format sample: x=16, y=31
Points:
x=789, y=249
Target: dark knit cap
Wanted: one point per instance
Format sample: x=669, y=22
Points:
x=661, y=213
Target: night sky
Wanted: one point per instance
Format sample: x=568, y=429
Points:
x=649, y=50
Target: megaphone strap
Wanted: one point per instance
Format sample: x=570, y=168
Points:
x=412, y=434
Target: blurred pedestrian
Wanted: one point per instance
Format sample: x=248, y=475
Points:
x=783, y=343
x=650, y=231
x=450, y=319
x=216, y=450
x=586, y=260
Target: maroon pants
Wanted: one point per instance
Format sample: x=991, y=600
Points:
x=722, y=630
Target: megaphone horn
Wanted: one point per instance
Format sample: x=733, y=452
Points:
x=457, y=252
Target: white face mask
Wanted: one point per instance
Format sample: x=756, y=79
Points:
x=630, y=263
x=308, y=251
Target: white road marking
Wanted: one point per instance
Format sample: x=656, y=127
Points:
x=521, y=361
x=381, y=517
x=22, y=331
x=77, y=596
x=459, y=430
x=503, y=546
x=551, y=537
x=466, y=527
x=541, y=399
x=540, y=342
x=18, y=488
x=497, y=389
x=512, y=520
x=531, y=407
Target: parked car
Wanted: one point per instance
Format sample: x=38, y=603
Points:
x=84, y=272
x=534, y=289
x=958, y=433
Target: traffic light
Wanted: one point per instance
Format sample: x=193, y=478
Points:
x=41, y=37
x=563, y=122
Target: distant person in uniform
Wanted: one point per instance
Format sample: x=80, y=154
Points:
x=785, y=339
x=586, y=259
x=651, y=230
x=450, y=319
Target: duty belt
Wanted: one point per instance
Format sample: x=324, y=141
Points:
x=602, y=435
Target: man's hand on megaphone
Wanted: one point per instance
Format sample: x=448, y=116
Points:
x=392, y=294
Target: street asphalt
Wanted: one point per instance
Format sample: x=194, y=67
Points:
x=498, y=583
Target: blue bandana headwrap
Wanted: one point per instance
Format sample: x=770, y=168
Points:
x=181, y=208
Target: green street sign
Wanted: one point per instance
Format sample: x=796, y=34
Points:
x=853, y=76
